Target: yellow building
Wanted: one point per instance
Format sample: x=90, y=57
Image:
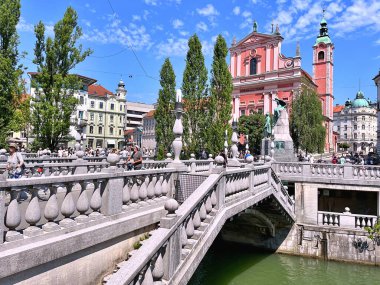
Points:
x=106, y=115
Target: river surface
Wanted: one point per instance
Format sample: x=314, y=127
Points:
x=232, y=264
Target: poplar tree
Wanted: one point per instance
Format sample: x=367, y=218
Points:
x=220, y=98
x=306, y=122
x=10, y=71
x=164, y=114
x=54, y=101
x=194, y=89
x=253, y=126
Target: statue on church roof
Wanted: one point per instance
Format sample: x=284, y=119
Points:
x=255, y=26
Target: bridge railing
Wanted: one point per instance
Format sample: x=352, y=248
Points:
x=345, y=220
x=170, y=246
x=302, y=171
x=32, y=207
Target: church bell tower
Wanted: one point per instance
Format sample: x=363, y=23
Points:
x=323, y=74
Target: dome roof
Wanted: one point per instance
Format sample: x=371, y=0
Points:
x=360, y=101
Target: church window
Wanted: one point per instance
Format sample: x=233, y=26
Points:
x=363, y=118
x=321, y=55
x=111, y=131
x=363, y=127
x=252, y=66
x=355, y=136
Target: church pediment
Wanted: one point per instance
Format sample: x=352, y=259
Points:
x=257, y=39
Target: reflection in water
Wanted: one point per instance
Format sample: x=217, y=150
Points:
x=232, y=264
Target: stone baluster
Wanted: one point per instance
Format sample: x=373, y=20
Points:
x=147, y=278
x=183, y=236
x=83, y=203
x=196, y=219
x=126, y=194
x=202, y=211
x=13, y=217
x=143, y=193
x=189, y=227
x=214, y=200
x=158, y=270
x=33, y=215
x=150, y=190
x=51, y=210
x=178, y=128
x=96, y=200
x=161, y=180
x=68, y=207
x=208, y=204
x=134, y=193
x=158, y=189
x=165, y=185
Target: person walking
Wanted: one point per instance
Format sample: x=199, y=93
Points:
x=137, y=158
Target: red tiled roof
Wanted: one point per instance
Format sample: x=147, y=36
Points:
x=98, y=90
x=338, y=108
x=150, y=114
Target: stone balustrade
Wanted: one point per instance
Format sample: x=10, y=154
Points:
x=194, y=165
x=327, y=173
x=172, y=248
x=345, y=220
x=32, y=207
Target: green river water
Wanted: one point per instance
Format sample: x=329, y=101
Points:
x=232, y=264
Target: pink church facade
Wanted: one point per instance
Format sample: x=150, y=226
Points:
x=261, y=73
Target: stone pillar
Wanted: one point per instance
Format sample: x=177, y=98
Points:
x=306, y=197
x=378, y=204
x=178, y=128
x=237, y=106
x=266, y=103
x=2, y=215
x=267, y=58
x=112, y=199
x=238, y=64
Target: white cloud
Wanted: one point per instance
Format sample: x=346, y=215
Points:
x=236, y=10
x=159, y=27
x=177, y=23
x=209, y=10
x=136, y=18
x=377, y=42
x=23, y=26
x=172, y=47
x=117, y=33
x=184, y=33
x=201, y=26
x=86, y=22
x=246, y=14
x=151, y=2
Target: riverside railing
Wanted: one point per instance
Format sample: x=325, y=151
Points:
x=170, y=246
x=345, y=220
x=306, y=171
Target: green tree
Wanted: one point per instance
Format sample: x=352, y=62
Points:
x=306, y=122
x=253, y=126
x=219, y=104
x=194, y=89
x=21, y=117
x=54, y=102
x=164, y=114
x=10, y=71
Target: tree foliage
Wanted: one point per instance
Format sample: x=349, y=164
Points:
x=54, y=100
x=10, y=71
x=306, y=122
x=194, y=89
x=21, y=117
x=219, y=104
x=164, y=114
x=253, y=126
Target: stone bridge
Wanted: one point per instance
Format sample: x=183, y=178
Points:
x=92, y=222
x=57, y=222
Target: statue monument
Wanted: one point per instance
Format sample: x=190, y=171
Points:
x=278, y=133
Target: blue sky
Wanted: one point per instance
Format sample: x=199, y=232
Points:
x=160, y=28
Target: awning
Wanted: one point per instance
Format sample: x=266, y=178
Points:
x=111, y=142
